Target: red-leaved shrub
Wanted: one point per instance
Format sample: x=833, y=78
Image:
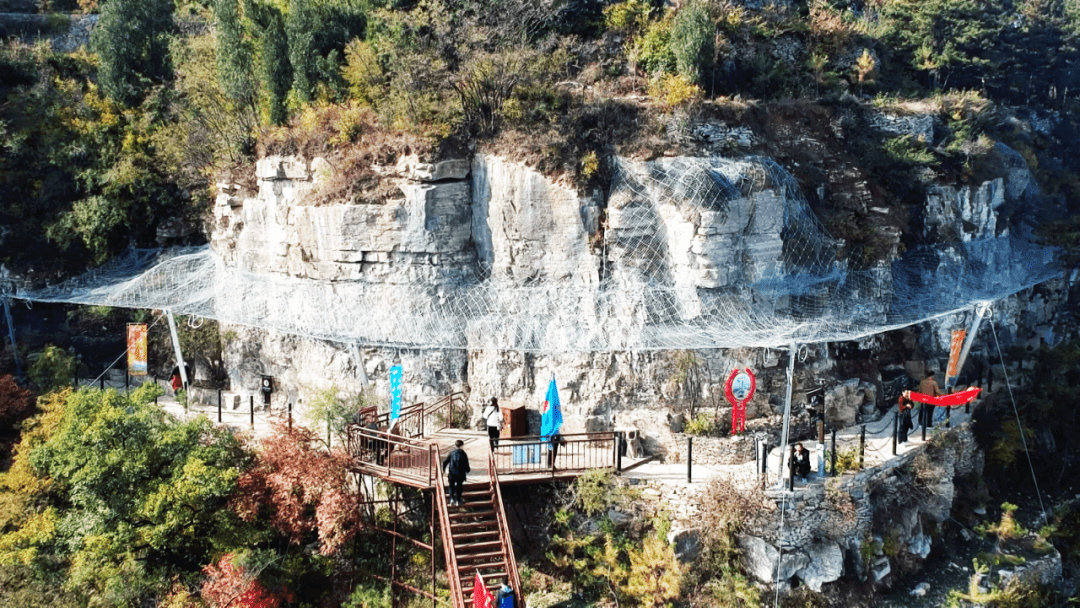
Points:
x=229, y=585
x=16, y=403
x=301, y=488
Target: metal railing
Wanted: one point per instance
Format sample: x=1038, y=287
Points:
x=504, y=532
x=421, y=419
x=452, y=574
x=386, y=455
x=571, y=452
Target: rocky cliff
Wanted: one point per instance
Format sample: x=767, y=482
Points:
x=701, y=237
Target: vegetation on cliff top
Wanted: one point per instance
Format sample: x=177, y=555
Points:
x=100, y=148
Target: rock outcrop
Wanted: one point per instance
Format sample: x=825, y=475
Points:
x=485, y=221
x=863, y=524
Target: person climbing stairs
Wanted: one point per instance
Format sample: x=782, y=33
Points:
x=476, y=539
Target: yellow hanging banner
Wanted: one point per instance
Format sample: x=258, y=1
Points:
x=136, y=349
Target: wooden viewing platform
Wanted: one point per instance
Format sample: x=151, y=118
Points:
x=408, y=451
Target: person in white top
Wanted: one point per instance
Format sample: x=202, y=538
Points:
x=493, y=418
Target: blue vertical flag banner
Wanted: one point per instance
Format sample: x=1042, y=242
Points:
x=395, y=392
x=551, y=413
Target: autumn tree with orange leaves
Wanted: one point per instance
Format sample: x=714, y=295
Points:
x=301, y=489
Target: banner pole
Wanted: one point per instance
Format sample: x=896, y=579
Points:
x=11, y=336
x=176, y=348
x=787, y=415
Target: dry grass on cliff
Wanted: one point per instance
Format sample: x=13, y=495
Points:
x=726, y=509
x=359, y=148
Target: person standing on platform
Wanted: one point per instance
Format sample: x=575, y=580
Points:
x=929, y=386
x=493, y=418
x=457, y=469
x=904, y=412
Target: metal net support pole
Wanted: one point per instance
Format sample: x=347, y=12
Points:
x=787, y=413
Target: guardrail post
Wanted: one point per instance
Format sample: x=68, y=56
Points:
x=689, y=458
x=791, y=469
x=862, y=445
x=103, y=380
x=832, y=453
x=619, y=442
x=763, y=462
x=895, y=430
x=219, y=406
x=431, y=533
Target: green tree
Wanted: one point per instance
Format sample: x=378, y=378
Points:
x=328, y=410
x=131, y=40
x=362, y=72
x=653, y=49
x=277, y=73
x=211, y=126
x=52, y=368
x=134, y=495
x=235, y=54
x=300, y=28
x=693, y=41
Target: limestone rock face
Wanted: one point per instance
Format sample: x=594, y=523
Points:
x=844, y=402
x=487, y=220
x=426, y=232
x=526, y=227
x=826, y=565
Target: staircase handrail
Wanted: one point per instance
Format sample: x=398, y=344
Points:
x=405, y=416
x=457, y=594
x=504, y=532
x=445, y=405
x=421, y=419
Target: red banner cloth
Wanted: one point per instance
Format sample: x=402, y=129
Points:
x=481, y=597
x=952, y=400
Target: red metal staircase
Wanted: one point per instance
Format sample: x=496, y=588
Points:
x=476, y=538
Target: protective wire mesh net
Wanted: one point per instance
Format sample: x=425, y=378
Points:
x=695, y=253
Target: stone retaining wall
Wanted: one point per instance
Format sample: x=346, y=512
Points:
x=713, y=450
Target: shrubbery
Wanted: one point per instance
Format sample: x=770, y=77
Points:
x=16, y=403
x=111, y=502
x=637, y=569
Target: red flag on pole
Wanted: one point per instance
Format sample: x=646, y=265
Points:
x=481, y=597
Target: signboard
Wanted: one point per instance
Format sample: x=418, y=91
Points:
x=957, y=344
x=136, y=349
x=739, y=390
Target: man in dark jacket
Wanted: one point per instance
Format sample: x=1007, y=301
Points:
x=802, y=461
x=456, y=465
